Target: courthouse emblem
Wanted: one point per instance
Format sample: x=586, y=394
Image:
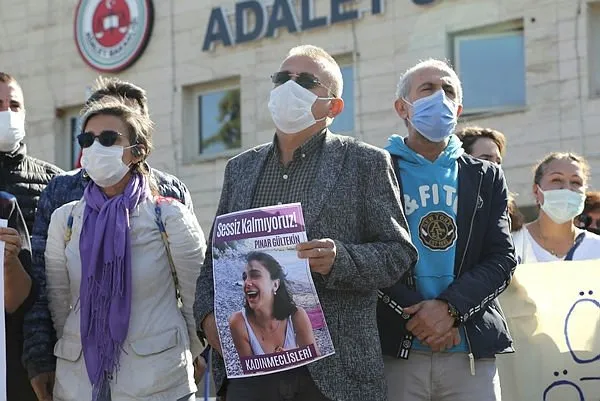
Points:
x=112, y=34
x=437, y=231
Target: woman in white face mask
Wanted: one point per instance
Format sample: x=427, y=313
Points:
x=560, y=182
x=120, y=293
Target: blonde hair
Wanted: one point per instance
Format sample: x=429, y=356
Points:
x=335, y=82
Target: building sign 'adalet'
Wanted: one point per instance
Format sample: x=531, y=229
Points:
x=112, y=34
x=282, y=16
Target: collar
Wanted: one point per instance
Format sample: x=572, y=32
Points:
x=312, y=145
x=15, y=156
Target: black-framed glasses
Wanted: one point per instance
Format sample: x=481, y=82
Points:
x=588, y=221
x=304, y=79
x=106, y=138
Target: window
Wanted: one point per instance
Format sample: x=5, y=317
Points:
x=344, y=123
x=491, y=65
x=213, y=114
x=219, y=121
x=594, y=48
x=68, y=147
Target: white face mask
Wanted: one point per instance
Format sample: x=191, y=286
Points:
x=562, y=205
x=104, y=164
x=12, y=130
x=291, y=107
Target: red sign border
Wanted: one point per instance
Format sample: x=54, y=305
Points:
x=148, y=27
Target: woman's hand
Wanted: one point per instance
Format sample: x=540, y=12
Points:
x=209, y=327
x=199, y=369
x=17, y=283
x=12, y=244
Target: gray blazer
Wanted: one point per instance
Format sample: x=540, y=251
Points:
x=356, y=202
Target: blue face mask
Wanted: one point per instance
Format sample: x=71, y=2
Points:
x=434, y=116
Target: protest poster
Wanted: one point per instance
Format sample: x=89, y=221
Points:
x=3, y=224
x=268, y=314
x=553, y=313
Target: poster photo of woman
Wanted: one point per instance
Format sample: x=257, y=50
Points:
x=268, y=314
x=270, y=320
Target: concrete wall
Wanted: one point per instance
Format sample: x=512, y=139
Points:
x=37, y=46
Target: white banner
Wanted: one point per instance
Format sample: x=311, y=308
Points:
x=553, y=312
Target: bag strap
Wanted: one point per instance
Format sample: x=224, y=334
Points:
x=396, y=165
x=165, y=238
x=576, y=244
x=69, y=230
x=163, y=235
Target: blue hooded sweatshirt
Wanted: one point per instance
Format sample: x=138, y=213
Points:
x=430, y=202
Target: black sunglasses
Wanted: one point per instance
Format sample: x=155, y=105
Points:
x=304, y=79
x=106, y=138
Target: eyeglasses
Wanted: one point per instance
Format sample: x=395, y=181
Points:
x=304, y=79
x=588, y=221
x=106, y=138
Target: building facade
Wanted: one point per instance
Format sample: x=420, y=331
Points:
x=530, y=69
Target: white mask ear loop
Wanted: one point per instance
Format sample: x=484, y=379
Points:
x=542, y=192
x=326, y=116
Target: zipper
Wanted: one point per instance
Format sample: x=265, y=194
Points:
x=471, y=356
x=462, y=261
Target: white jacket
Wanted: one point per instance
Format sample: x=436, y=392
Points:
x=587, y=250
x=157, y=355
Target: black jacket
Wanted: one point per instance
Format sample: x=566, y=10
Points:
x=484, y=264
x=25, y=177
x=18, y=387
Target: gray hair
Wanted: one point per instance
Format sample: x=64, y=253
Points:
x=403, y=87
x=334, y=80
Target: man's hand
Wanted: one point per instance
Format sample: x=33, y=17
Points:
x=209, y=327
x=430, y=320
x=43, y=385
x=447, y=341
x=12, y=243
x=320, y=254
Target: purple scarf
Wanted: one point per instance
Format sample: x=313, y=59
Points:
x=105, y=290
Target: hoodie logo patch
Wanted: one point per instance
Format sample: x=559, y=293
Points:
x=437, y=231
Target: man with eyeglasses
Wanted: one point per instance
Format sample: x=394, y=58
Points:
x=38, y=330
x=358, y=240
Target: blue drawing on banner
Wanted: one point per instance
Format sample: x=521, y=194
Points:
x=564, y=383
x=574, y=355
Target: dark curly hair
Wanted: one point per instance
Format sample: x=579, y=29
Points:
x=283, y=304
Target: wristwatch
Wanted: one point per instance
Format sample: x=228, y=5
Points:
x=453, y=312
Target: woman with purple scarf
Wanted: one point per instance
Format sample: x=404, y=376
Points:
x=123, y=320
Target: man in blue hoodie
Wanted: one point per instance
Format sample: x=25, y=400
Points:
x=441, y=325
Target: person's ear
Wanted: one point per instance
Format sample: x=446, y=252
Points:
x=337, y=106
x=539, y=198
x=138, y=152
x=276, y=286
x=401, y=108
x=459, y=110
